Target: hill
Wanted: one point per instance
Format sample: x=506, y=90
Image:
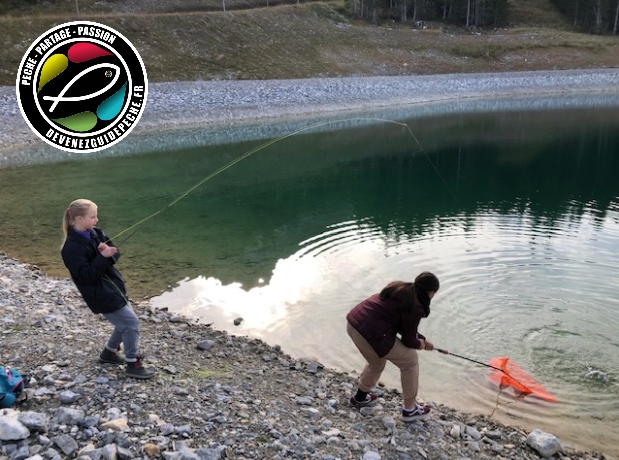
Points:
x=312, y=40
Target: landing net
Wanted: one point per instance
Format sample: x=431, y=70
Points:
x=512, y=376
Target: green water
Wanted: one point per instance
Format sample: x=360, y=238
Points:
x=517, y=212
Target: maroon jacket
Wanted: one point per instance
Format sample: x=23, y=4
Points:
x=378, y=321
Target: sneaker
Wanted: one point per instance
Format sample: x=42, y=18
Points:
x=111, y=357
x=418, y=413
x=370, y=400
x=137, y=371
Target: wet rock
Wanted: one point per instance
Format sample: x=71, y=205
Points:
x=473, y=433
x=545, y=444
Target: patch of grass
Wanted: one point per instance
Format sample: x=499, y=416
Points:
x=200, y=374
x=207, y=374
x=263, y=439
x=87, y=8
x=13, y=328
x=537, y=13
x=313, y=40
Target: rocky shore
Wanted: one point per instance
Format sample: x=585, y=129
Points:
x=216, y=395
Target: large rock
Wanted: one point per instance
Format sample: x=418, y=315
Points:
x=544, y=443
x=34, y=421
x=12, y=430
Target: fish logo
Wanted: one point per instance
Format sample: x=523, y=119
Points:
x=82, y=87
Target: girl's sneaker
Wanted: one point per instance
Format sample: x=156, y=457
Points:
x=370, y=400
x=418, y=413
x=137, y=371
x=111, y=357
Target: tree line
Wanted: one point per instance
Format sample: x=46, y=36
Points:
x=470, y=13
x=594, y=16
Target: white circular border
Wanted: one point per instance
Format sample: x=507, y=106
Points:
x=144, y=97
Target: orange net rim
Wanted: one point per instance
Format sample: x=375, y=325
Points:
x=512, y=376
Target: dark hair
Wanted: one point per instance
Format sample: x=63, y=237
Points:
x=427, y=281
x=407, y=292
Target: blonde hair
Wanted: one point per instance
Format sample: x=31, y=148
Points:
x=76, y=208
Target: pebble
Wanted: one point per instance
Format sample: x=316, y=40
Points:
x=208, y=405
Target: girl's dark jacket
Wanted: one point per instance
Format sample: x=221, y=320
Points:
x=95, y=276
x=379, y=321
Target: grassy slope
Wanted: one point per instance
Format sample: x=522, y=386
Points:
x=306, y=40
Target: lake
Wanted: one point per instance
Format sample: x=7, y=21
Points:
x=516, y=210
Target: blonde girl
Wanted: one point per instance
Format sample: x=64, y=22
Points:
x=89, y=255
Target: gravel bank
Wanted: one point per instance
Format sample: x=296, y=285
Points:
x=216, y=396
x=215, y=112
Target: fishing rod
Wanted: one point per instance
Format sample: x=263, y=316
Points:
x=136, y=226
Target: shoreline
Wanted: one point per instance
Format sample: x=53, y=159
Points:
x=217, y=395
x=219, y=112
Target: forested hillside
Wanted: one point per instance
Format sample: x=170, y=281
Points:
x=596, y=16
x=591, y=16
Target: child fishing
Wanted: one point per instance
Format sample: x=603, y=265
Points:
x=90, y=256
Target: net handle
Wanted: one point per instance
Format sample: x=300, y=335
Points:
x=446, y=352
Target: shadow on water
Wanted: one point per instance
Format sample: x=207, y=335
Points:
x=518, y=213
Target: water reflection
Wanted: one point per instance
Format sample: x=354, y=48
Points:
x=507, y=295
x=524, y=232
